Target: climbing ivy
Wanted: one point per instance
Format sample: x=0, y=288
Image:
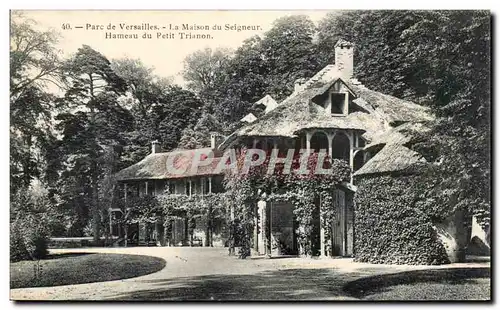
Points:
x=165, y=208
x=393, y=226
x=302, y=190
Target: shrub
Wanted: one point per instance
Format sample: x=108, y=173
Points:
x=28, y=239
x=391, y=227
x=17, y=249
x=29, y=224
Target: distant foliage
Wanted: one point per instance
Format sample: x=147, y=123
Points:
x=391, y=228
x=441, y=59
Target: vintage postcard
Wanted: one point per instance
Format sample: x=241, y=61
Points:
x=250, y=155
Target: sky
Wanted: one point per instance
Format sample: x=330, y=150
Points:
x=165, y=54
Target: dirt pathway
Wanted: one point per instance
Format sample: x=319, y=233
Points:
x=209, y=274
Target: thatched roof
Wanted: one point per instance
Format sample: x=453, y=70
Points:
x=393, y=157
x=394, y=110
x=298, y=112
x=249, y=118
x=397, y=135
x=268, y=102
x=154, y=166
x=383, y=120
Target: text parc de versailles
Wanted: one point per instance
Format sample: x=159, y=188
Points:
x=171, y=27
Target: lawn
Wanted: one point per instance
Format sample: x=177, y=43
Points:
x=431, y=284
x=476, y=289
x=77, y=268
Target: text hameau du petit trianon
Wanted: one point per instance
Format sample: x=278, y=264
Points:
x=172, y=27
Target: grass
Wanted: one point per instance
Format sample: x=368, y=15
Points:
x=77, y=268
x=431, y=284
x=477, y=289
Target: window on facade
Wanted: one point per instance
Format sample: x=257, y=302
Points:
x=217, y=186
x=338, y=103
x=341, y=147
x=151, y=187
x=205, y=186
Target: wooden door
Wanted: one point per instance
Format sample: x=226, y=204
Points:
x=349, y=225
x=282, y=229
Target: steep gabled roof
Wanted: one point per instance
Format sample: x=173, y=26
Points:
x=249, y=118
x=268, y=102
x=297, y=112
x=154, y=166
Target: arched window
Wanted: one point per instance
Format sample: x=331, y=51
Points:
x=319, y=141
x=341, y=146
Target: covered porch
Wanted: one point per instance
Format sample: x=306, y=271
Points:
x=277, y=231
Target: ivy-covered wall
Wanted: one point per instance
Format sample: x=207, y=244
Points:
x=391, y=227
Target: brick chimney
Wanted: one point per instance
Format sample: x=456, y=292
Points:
x=213, y=138
x=344, y=55
x=155, y=147
x=216, y=140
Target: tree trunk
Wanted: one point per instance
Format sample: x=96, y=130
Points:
x=95, y=210
x=453, y=233
x=27, y=174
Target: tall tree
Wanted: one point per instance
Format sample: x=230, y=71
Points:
x=146, y=90
x=33, y=65
x=180, y=109
x=199, y=135
x=93, y=124
x=202, y=67
x=289, y=52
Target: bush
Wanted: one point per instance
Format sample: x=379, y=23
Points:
x=28, y=239
x=391, y=227
x=17, y=249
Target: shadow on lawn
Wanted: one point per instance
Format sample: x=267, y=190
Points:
x=289, y=284
x=64, y=255
x=381, y=283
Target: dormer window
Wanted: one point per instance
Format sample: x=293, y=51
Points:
x=338, y=103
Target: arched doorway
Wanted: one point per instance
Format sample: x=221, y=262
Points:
x=341, y=146
x=319, y=141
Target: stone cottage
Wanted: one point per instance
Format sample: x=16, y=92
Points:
x=332, y=111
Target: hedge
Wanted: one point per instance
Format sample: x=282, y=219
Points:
x=390, y=227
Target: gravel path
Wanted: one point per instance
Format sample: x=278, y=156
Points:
x=210, y=274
